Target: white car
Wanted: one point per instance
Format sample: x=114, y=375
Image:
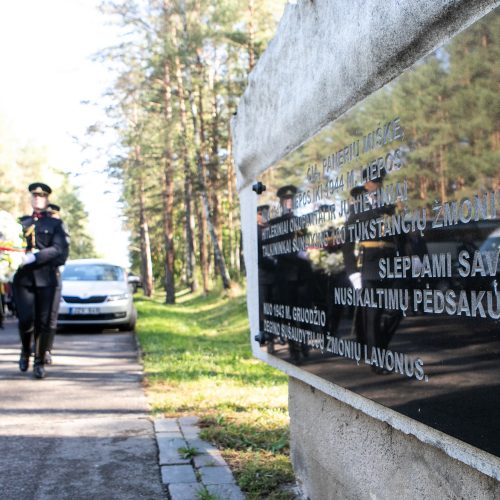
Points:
x=96, y=292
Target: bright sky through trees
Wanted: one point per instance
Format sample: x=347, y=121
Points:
x=46, y=72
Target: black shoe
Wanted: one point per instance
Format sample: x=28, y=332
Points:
x=24, y=361
x=48, y=358
x=39, y=370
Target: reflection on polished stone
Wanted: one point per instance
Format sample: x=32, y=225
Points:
x=379, y=245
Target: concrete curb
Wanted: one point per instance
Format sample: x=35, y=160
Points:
x=187, y=478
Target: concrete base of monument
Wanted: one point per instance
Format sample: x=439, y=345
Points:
x=340, y=452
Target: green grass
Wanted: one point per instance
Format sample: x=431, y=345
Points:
x=188, y=452
x=197, y=361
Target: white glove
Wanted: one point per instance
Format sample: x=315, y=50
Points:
x=28, y=258
x=355, y=279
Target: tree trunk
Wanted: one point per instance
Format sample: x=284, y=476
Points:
x=146, y=261
x=442, y=163
x=188, y=188
x=200, y=166
x=202, y=243
x=233, y=222
x=442, y=172
x=212, y=186
x=251, y=36
x=213, y=173
x=233, y=252
x=168, y=193
x=201, y=170
x=423, y=184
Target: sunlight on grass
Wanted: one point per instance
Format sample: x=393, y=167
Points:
x=197, y=361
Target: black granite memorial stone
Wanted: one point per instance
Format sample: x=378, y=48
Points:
x=379, y=244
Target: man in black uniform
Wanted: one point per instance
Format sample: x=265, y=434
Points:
x=373, y=327
x=266, y=275
x=293, y=272
x=55, y=212
x=35, y=281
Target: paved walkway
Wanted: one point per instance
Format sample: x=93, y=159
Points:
x=188, y=475
x=84, y=431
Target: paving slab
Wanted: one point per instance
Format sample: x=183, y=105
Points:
x=166, y=425
x=216, y=475
x=188, y=420
x=169, y=449
x=208, y=465
x=209, y=460
x=191, y=432
x=225, y=492
x=201, y=445
x=169, y=435
x=178, y=474
x=185, y=491
x=84, y=431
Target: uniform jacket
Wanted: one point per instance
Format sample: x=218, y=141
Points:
x=386, y=247
x=52, y=245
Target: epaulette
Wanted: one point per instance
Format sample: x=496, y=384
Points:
x=25, y=220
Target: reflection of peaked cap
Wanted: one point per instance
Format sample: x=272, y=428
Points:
x=53, y=207
x=286, y=191
x=39, y=188
x=261, y=208
x=357, y=190
x=380, y=178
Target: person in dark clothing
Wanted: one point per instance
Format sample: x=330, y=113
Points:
x=36, y=280
x=55, y=212
x=2, y=301
x=293, y=273
x=373, y=326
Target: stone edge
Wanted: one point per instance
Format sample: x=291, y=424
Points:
x=181, y=429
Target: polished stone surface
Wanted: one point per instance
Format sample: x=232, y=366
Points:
x=401, y=197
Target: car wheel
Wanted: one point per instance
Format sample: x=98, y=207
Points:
x=130, y=326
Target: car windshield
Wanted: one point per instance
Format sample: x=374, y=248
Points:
x=92, y=272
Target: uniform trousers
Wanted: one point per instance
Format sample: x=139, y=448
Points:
x=34, y=310
x=376, y=327
x=55, y=311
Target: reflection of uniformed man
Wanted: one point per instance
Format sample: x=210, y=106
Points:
x=293, y=273
x=285, y=266
x=374, y=326
x=36, y=280
x=266, y=269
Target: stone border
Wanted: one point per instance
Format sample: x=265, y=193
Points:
x=187, y=478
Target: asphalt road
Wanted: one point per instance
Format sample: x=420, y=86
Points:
x=81, y=433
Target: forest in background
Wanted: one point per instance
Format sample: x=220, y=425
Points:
x=180, y=70
x=23, y=162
